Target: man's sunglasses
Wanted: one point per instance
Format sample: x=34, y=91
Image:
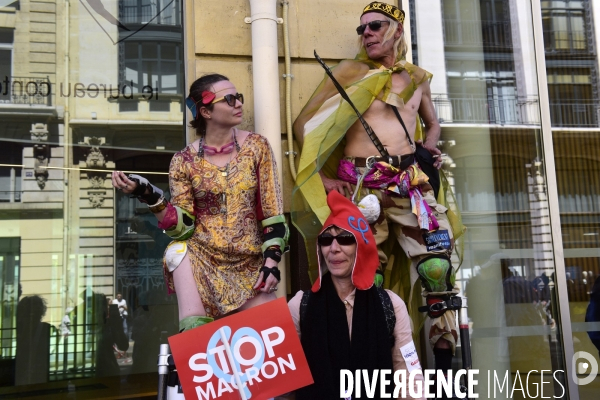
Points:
x=230, y=99
x=343, y=240
x=373, y=26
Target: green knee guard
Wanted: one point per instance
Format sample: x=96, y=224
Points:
x=436, y=273
x=193, y=322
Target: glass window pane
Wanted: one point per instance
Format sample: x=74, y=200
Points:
x=5, y=72
x=489, y=103
x=149, y=51
x=6, y=36
x=167, y=51
x=131, y=50
x=70, y=242
x=573, y=91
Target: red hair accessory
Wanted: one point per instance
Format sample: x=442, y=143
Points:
x=208, y=97
x=345, y=215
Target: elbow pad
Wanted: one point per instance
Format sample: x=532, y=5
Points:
x=185, y=225
x=275, y=233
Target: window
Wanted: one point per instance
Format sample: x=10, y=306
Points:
x=6, y=46
x=571, y=97
x=156, y=12
x=10, y=249
x=564, y=25
x=153, y=67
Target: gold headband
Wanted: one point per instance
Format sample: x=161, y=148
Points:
x=385, y=9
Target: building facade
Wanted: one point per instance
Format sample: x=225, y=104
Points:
x=92, y=86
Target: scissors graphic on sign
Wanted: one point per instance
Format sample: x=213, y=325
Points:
x=361, y=226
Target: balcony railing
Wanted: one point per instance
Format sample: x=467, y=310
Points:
x=565, y=41
x=152, y=12
x=477, y=32
x=506, y=110
x=574, y=114
x=27, y=90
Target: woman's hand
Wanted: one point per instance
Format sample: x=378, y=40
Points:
x=122, y=182
x=271, y=283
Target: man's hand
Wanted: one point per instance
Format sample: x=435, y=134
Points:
x=335, y=184
x=435, y=152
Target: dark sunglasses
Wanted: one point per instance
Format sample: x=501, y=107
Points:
x=230, y=99
x=373, y=26
x=342, y=240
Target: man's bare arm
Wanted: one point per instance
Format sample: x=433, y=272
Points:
x=432, y=126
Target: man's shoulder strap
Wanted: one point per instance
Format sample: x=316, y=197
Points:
x=388, y=312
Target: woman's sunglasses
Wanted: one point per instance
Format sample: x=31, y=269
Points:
x=230, y=99
x=373, y=26
x=343, y=240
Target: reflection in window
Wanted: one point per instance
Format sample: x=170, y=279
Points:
x=572, y=101
x=10, y=249
x=6, y=49
x=572, y=87
x=564, y=25
x=152, y=68
x=572, y=72
x=482, y=86
x=153, y=64
x=157, y=12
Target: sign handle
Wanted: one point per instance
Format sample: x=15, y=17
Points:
x=236, y=374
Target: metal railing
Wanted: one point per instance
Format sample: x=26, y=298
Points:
x=574, y=114
x=70, y=356
x=27, y=90
x=75, y=354
x=152, y=12
x=565, y=41
x=506, y=110
x=477, y=32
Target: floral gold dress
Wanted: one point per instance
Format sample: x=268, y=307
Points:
x=229, y=203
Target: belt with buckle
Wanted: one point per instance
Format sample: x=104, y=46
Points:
x=401, y=162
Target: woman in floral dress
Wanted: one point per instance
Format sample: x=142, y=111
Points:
x=225, y=213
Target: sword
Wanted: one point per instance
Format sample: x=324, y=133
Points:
x=364, y=123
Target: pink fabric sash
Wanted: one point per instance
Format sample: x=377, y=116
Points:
x=405, y=184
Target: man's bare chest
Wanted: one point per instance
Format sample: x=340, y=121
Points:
x=407, y=95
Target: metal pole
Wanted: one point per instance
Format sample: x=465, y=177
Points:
x=163, y=371
x=465, y=341
x=13, y=186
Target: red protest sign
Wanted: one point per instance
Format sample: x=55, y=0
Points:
x=260, y=344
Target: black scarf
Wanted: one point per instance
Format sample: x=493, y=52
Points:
x=326, y=340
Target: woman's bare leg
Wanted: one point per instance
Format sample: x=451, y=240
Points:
x=257, y=300
x=188, y=298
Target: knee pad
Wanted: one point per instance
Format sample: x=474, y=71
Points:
x=436, y=273
x=193, y=322
x=174, y=254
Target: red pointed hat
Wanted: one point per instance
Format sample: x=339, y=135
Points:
x=345, y=215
